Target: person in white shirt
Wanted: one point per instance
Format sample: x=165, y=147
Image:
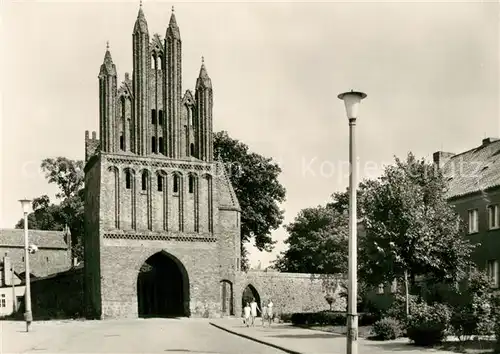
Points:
x=246, y=312
x=270, y=311
x=254, y=307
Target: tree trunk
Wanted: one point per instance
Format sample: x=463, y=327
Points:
x=407, y=294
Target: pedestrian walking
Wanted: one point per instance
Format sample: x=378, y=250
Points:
x=246, y=314
x=253, y=310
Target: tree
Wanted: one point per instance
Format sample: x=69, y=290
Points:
x=317, y=242
x=68, y=175
x=255, y=182
x=411, y=230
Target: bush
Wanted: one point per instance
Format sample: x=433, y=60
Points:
x=428, y=324
x=387, y=329
x=330, y=318
x=398, y=308
x=473, y=313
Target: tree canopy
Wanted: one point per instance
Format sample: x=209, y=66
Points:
x=317, y=242
x=259, y=192
x=67, y=174
x=410, y=227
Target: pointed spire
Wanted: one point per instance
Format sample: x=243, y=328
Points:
x=141, y=25
x=203, y=78
x=172, y=22
x=173, y=29
x=107, y=67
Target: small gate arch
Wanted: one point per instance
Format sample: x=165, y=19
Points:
x=249, y=293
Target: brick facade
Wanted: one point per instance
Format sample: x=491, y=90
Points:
x=474, y=186
x=152, y=186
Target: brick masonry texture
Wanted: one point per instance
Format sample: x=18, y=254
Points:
x=292, y=292
x=58, y=296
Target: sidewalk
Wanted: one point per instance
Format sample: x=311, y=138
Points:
x=295, y=340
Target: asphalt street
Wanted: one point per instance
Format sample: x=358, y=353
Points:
x=166, y=336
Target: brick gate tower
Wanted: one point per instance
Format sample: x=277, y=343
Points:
x=162, y=222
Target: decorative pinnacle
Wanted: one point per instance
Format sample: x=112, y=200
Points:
x=140, y=3
x=172, y=8
x=202, y=59
x=107, y=45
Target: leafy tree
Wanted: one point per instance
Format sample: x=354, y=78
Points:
x=255, y=181
x=411, y=230
x=68, y=176
x=317, y=242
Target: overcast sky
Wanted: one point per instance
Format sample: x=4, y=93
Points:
x=431, y=72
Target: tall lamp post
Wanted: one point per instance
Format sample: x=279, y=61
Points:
x=352, y=100
x=28, y=316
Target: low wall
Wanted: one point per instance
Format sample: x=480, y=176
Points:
x=291, y=292
x=58, y=296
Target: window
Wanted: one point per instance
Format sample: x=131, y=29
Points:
x=191, y=184
x=2, y=301
x=191, y=149
x=380, y=289
x=121, y=143
x=153, y=144
x=144, y=180
x=493, y=216
x=492, y=271
x=473, y=221
x=176, y=184
x=153, y=62
x=153, y=116
x=128, y=179
x=160, y=145
x=159, y=63
x=160, y=183
x=160, y=117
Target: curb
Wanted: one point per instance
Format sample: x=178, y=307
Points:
x=255, y=339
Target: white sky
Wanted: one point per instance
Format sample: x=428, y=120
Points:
x=431, y=72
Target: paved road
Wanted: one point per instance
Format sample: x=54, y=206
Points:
x=168, y=336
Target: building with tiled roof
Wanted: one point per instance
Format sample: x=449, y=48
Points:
x=474, y=190
x=53, y=255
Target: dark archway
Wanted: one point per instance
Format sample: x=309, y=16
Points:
x=227, y=306
x=250, y=293
x=163, y=287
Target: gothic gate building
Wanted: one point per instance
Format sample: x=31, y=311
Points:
x=162, y=220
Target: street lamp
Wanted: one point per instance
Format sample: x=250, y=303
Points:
x=28, y=316
x=352, y=100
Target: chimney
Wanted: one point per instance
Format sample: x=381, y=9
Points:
x=7, y=271
x=441, y=158
x=487, y=141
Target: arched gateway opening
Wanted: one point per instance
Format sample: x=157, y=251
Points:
x=250, y=293
x=163, y=287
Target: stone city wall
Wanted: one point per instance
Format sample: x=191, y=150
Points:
x=292, y=292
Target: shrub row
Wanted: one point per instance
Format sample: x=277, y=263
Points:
x=330, y=318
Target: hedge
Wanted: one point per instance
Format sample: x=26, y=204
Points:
x=330, y=318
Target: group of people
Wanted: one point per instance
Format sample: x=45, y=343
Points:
x=250, y=313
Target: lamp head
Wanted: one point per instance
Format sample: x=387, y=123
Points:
x=25, y=204
x=351, y=101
